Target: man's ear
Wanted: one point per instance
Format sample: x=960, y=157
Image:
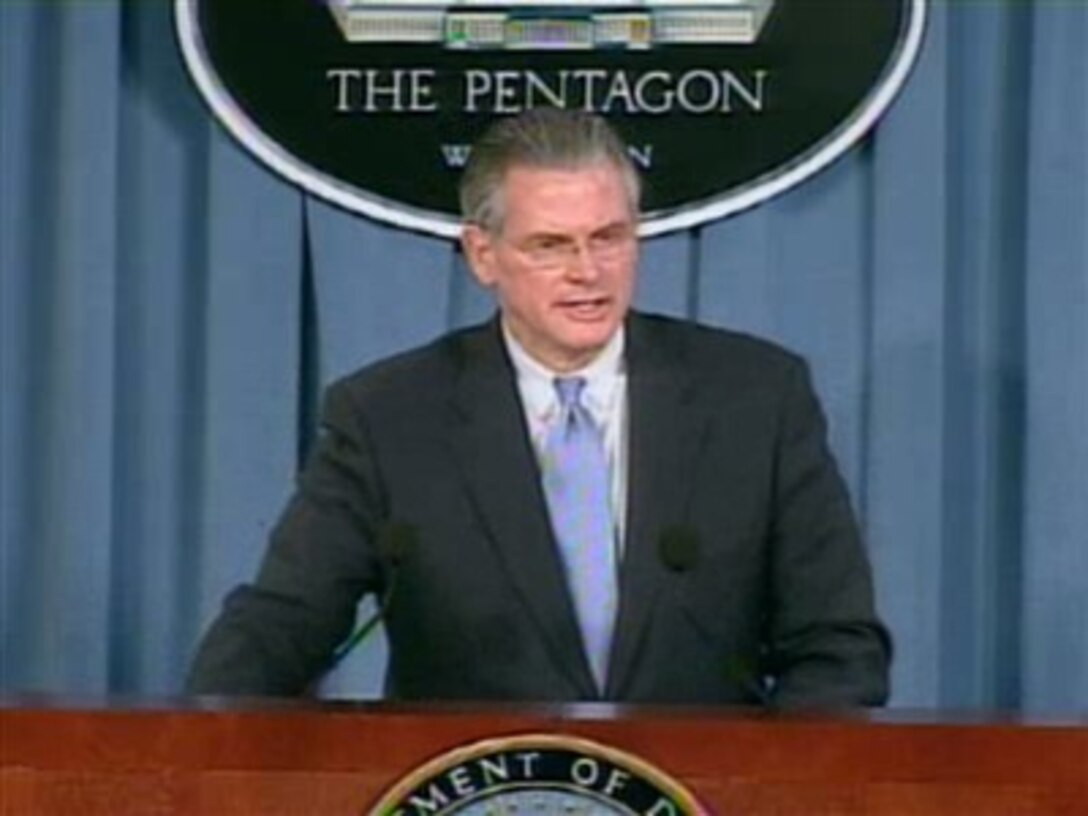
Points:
x=479, y=252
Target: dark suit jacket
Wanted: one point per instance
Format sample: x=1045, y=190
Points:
x=727, y=453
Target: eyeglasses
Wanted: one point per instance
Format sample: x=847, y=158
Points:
x=553, y=253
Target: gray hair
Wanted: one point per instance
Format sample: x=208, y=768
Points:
x=546, y=138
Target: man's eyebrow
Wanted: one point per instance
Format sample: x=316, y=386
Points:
x=614, y=227
x=549, y=235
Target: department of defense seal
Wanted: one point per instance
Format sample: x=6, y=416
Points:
x=537, y=774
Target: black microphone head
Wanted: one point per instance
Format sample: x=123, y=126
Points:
x=679, y=548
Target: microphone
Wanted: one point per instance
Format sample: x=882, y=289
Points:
x=679, y=548
x=395, y=543
x=741, y=672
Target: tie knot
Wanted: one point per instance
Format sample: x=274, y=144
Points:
x=569, y=390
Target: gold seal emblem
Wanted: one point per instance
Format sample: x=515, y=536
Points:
x=537, y=774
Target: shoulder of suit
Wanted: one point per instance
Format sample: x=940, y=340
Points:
x=432, y=364
x=432, y=367
x=700, y=344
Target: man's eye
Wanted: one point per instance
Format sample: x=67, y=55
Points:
x=548, y=250
x=549, y=244
x=610, y=240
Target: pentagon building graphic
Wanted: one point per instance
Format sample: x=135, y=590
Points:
x=552, y=24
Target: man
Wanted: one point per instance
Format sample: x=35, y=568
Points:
x=573, y=501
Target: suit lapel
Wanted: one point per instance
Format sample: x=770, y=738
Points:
x=664, y=432
x=492, y=447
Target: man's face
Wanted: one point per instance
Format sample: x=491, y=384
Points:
x=563, y=263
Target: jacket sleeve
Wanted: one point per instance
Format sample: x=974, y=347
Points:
x=276, y=635
x=825, y=644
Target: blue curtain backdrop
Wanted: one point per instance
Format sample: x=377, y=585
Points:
x=170, y=311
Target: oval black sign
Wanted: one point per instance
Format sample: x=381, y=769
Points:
x=372, y=104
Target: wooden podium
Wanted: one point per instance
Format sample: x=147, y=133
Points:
x=256, y=757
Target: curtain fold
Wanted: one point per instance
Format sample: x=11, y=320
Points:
x=1054, y=542
x=171, y=311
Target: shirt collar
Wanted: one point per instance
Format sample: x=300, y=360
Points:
x=536, y=381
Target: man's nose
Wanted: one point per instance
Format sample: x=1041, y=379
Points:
x=581, y=264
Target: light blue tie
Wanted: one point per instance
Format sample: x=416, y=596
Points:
x=576, y=484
